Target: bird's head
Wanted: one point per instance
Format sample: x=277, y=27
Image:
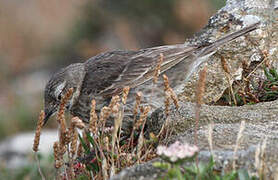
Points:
x=69, y=77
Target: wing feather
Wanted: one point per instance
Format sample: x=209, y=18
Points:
x=108, y=73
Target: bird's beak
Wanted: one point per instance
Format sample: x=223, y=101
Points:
x=48, y=114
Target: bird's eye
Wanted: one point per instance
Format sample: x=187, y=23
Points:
x=59, y=97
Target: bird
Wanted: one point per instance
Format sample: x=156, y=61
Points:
x=106, y=74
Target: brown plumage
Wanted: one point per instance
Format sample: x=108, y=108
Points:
x=106, y=74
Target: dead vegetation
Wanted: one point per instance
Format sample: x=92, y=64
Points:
x=96, y=151
x=252, y=88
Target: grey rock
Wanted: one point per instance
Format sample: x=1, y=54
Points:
x=248, y=48
x=261, y=124
x=14, y=150
x=143, y=171
x=261, y=119
x=184, y=118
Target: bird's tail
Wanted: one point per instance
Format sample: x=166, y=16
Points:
x=145, y=60
x=228, y=38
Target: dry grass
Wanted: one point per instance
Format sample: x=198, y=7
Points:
x=93, y=117
x=227, y=70
x=102, y=152
x=57, y=157
x=200, y=90
x=100, y=147
x=37, y=141
x=135, y=113
x=210, y=130
x=252, y=88
x=157, y=69
x=105, y=151
x=125, y=94
x=260, y=159
x=238, y=141
x=169, y=95
x=38, y=132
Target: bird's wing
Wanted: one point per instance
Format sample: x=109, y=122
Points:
x=109, y=73
x=142, y=65
x=102, y=70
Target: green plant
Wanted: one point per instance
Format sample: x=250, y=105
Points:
x=180, y=163
x=270, y=85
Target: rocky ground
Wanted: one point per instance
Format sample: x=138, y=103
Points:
x=259, y=138
x=260, y=133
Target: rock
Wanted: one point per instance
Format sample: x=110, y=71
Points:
x=224, y=137
x=261, y=125
x=184, y=118
x=143, y=171
x=261, y=119
x=249, y=48
x=14, y=150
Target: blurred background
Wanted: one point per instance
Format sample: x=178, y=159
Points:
x=38, y=37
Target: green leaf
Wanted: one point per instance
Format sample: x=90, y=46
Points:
x=275, y=83
x=93, y=166
x=243, y=174
x=272, y=93
x=206, y=169
x=86, y=148
x=82, y=177
x=90, y=139
x=175, y=173
x=162, y=165
x=218, y=178
x=188, y=176
x=268, y=75
x=273, y=72
x=230, y=176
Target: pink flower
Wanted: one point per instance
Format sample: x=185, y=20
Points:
x=177, y=151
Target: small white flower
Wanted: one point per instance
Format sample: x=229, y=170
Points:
x=177, y=151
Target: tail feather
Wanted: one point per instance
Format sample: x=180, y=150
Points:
x=228, y=38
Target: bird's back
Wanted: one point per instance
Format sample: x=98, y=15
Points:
x=108, y=73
